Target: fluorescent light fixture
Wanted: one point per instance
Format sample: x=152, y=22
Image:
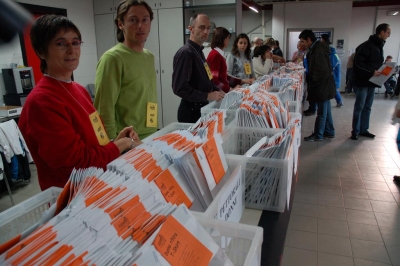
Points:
x=249, y=6
x=252, y=8
x=393, y=13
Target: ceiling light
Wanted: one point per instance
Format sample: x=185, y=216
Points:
x=255, y=10
x=251, y=7
x=393, y=13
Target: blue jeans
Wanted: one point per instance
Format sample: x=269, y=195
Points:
x=362, y=109
x=324, y=122
x=338, y=98
x=389, y=85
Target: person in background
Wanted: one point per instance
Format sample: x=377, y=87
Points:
x=335, y=64
x=270, y=42
x=367, y=61
x=60, y=125
x=320, y=85
x=217, y=63
x=191, y=77
x=256, y=42
x=262, y=60
x=277, y=50
x=126, y=92
x=239, y=61
x=298, y=56
x=349, y=76
x=390, y=84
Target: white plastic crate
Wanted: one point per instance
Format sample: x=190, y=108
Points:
x=237, y=141
x=240, y=242
x=168, y=129
x=215, y=106
x=212, y=211
x=17, y=219
x=295, y=106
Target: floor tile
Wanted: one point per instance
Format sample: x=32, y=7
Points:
x=305, y=209
x=329, y=181
x=361, y=262
x=299, y=257
x=302, y=197
x=357, y=204
x=355, y=193
x=350, y=174
x=328, y=212
x=376, y=186
x=332, y=227
x=373, y=177
x=388, y=219
x=365, y=232
x=394, y=254
x=370, y=250
x=329, y=190
x=391, y=236
x=381, y=195
x=301, y=239
x=363, y=217
x=325, y=259
x=334, y=245
x=351, y=182
x=303, y=223
x=307, y=188
x=330, y=200
x=386, y=207
x=394, y=187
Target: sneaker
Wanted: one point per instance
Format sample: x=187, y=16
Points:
x=368, y=135
x=308, y=113
x=339, y=105
x=312, y=137
x=354, y=137
x=326, y=136
x=396, y=178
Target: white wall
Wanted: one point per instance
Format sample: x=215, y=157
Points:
x=392, y=45
x=362, y=26
x=81, y=13
x=251, y=22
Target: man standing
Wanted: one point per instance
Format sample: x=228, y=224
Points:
x=125, y=82
x=320, y=85
x=367, y=60
x=191, y=77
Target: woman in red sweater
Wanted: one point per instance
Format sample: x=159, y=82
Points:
x=217, y=63
x=59, y=123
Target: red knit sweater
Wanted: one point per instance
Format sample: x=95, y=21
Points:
x=58, y=132
x=219, y=71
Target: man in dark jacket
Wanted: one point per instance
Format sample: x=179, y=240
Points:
x=320, y=85
x=367, y=60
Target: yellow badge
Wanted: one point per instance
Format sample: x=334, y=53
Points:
x=247, y=68
x=98, y=127
x=208, y=70
x=151, y=118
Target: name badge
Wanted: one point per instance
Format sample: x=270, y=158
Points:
x=208, y=70
x=99, y=130
x=247, y=68
x=151, y=117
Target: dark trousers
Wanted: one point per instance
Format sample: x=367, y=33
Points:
x=189, y=112
x=349, y=80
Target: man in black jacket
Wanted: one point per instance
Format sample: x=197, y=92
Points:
x=320, y=84
x=367, y=60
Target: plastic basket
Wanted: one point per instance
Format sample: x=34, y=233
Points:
x=237, y=141
x=215, y=106
x=295, y=106
x=17, y=219
x=212, y=210
x=240, y=242
x=168, y=129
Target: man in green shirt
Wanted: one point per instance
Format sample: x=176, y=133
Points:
x=125, y=82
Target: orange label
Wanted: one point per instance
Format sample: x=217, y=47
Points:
x=220, y=122
x=171, y=190
x=211, y=129
x=386, y=70
x=179, y=247
x=214, y=160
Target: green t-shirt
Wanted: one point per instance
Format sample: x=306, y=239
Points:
x=125, y=83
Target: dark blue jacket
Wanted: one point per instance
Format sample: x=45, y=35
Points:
x=335, y=63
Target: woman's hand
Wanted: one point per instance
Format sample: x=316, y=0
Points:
x=128, y=132
x=126, y=143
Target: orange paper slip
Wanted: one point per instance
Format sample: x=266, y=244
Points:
x=214, y=159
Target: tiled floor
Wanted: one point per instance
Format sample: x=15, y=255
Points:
x=346, y=206
x=345, y=209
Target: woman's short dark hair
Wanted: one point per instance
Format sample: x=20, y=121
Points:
x=219, y=36
x=235, y=49
x=305, y=34
x=44, y=30
x=260, y=50
x=123, y=8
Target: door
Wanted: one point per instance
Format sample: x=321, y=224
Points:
x=170, y=42
x=153, y=45
x=103, y=6
x=153, y=4
x=105, y=33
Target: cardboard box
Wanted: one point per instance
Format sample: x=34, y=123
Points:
x=6, y=111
